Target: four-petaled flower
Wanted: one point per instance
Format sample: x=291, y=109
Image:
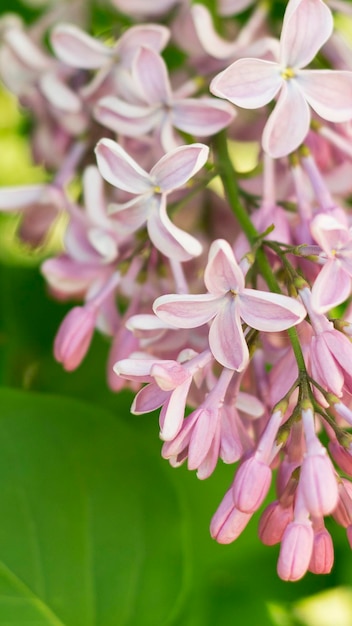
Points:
x=252, y=83
x=228, y=303
x=148, y=206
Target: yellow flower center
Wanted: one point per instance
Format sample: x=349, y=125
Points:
x=287, y=73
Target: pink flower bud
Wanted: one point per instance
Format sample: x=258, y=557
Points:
x=252, y=483
x=296, y=550
x=343, y=511
x=273, y=523
x=228, y=522
x=322, y=558
x=349, y=535
x=341, y=456
x=319, y=484
x=74, y=336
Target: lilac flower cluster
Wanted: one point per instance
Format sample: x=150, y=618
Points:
x=234, y=304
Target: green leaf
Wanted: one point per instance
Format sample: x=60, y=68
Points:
x=90, y=526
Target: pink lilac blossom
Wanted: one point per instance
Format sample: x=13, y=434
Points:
x=151, y=190
x=227, y=303
x=254, y=368
x=252, y=83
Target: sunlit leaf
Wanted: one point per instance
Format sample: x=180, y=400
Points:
x=80, y=540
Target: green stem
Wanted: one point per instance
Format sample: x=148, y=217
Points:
x=228, y=178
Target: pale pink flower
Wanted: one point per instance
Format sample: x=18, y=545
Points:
x=156, y=107
x=168, y=387
x=333, y=284
x=252, y=83
x=330, y=351
x=229, y=302
x=214, y=429
x=148, y=207
x=76, y=330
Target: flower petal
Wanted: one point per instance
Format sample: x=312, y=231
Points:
x=329, y=233
x=172, y=413
x=323, y=365
x=288, y=125
x=169, y=239
x=153, y=36
x=329, y=93
x=331, y=287
x=232, y=7
x=186, y=311
x=249, y=83
x=148, y=399
x=119, y=169
x=202, y=117
x=202, y=436
x=222, y=272
x=150, y=72
x=125, y=118
x=214, y=46
x=307, y=25
x=226, y=338
x=131, y=215
x=58, y=94
x=269, y=311
x=18, y=197
x=175, y=168
x=78, y=49
x=93, y=192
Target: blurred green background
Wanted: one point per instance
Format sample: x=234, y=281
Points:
x=95, y=528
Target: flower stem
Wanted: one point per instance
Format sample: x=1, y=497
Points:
x=228, y=178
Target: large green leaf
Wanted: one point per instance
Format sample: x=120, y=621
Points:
x=90, y=526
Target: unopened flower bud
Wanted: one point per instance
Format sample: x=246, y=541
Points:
x=296, y=550
x=228, y=522
x=74, y=336
x=251, y=485
x=273, y=523
x=322, y=558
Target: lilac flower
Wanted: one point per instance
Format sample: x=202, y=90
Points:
x=156, y=107
x=227, y=303
x=150, y=190
x=252, y=83
x=78, y=49
x=168, y=387
x=214, y=429
x=330, y=351
x=333, y=284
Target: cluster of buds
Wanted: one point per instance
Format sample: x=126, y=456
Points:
x=227, y=310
